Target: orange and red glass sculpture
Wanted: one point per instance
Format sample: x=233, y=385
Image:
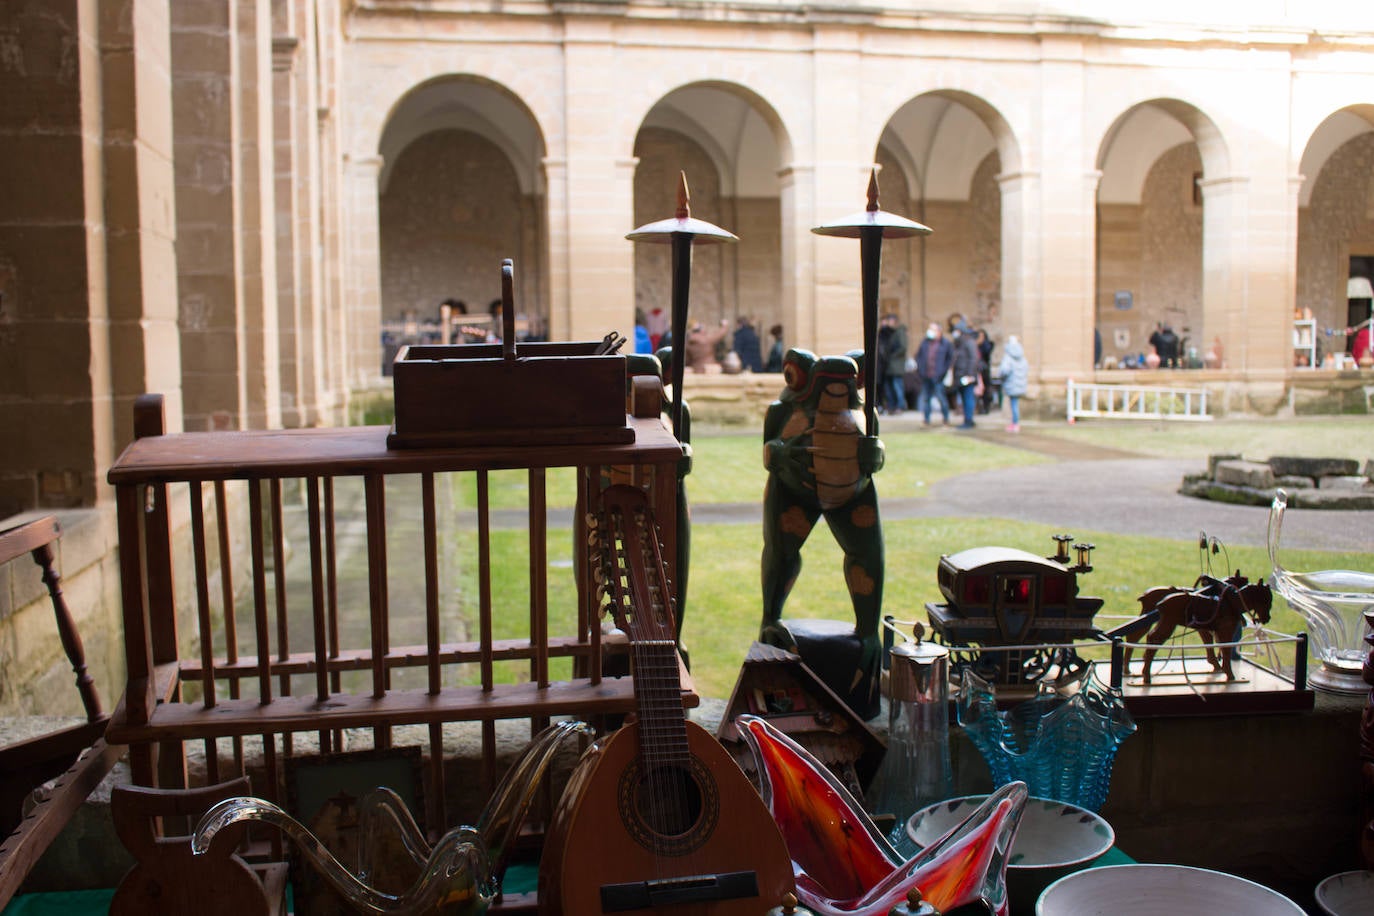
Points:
x=846, y=867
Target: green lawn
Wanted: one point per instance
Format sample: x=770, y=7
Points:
x=728, y=468
x=1325, y=437
x=723, y=603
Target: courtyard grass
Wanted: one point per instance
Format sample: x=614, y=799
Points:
x=728, y=468
x=1256, y=439
x=724, y=601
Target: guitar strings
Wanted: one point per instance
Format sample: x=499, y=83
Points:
x=664, y=753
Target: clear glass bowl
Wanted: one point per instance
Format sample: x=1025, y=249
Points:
x=1333, y=602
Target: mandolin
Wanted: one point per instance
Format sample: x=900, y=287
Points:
x=657, y=816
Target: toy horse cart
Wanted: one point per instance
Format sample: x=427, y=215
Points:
x=1226, y=679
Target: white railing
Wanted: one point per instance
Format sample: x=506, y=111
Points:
x=1135, y=402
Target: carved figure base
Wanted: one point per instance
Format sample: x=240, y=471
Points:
x=832, y=650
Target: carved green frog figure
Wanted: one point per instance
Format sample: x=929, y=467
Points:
x=820, y=463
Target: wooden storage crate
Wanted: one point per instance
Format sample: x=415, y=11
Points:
x=530, y=394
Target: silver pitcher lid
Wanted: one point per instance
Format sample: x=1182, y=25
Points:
x=915, y=666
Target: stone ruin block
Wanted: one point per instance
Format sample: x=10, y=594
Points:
x=1294, y=482
x=1214, y=460
x=1284, y=465
x=1351, y=482
x=1332, y=499
x=1245, y=474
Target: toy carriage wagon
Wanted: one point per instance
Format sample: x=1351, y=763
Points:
x=1011, y=604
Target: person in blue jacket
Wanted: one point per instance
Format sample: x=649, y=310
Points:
x=933, y=358
x=1015, y=374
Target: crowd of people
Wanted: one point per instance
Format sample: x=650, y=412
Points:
x=952, y=364
x=716, y=348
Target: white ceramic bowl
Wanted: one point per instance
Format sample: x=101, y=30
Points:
x=1149, y=890
x=1052, y=840
x=1350, y=893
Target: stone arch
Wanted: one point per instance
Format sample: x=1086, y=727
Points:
x=1335, y=230
x=1140, y=134
x=1153, y=161
x=733, y=147
x=461, y=187
x=949, y=147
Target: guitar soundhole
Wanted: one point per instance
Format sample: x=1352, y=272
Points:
x=671, y=809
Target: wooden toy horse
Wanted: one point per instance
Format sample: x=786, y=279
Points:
x=1215, y=608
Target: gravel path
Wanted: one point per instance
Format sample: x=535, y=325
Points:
x=1103, y=490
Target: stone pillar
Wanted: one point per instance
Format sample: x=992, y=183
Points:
x=598, y=205
x=204, y=44
x=362, y=290
x=1249, y=245
x=142, y=353
x=556, y=206
x=52, y=284
x=306, y=175
x=1020, y=257
x=259, y=371
x=88, y=291
x=797, y=216
x=839, y=188
x=1058, y=323
x=291, y=309
x=332, y=267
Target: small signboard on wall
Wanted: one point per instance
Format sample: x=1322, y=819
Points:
x=1123, y=300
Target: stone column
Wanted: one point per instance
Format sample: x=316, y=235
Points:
x=556, y=207
x=259, y=371
x=796, y=206
x=204, y=44
x=87, y=276
x=143, y=352
x=363, y=267
x=599, y=192
x=306, y=175
x=1249, y=246
x=1020, y=257
x=291, y=311
x=332, y=336
x=1058, y=320
x=839, y=187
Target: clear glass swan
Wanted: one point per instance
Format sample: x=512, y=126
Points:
x=459, y=876
x=844, y=864
x=1333, y=602
x=1062, y=746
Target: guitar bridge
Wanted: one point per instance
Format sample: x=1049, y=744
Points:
x=643, y=895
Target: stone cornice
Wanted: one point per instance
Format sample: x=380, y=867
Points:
x=1112, y=23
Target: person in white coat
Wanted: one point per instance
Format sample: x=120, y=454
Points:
x=1014, y=372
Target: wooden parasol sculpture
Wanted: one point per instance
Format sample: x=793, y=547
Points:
x=870, y=226
x=681, y=231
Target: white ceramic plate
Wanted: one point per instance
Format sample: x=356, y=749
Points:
x=1052, y=840
x=1350, y=893
x=1052, y=834
x=1149, y=890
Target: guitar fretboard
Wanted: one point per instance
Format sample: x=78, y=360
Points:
x=639, y=597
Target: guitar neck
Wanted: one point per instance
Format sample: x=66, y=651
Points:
x=658, y=699
x=640, y=598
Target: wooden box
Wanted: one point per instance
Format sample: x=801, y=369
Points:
x=533, y=394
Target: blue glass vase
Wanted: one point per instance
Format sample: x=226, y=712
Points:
x=1060, y=744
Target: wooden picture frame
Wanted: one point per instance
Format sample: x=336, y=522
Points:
x=323, y=792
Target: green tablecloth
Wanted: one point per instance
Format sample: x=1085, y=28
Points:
x=61, y=903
